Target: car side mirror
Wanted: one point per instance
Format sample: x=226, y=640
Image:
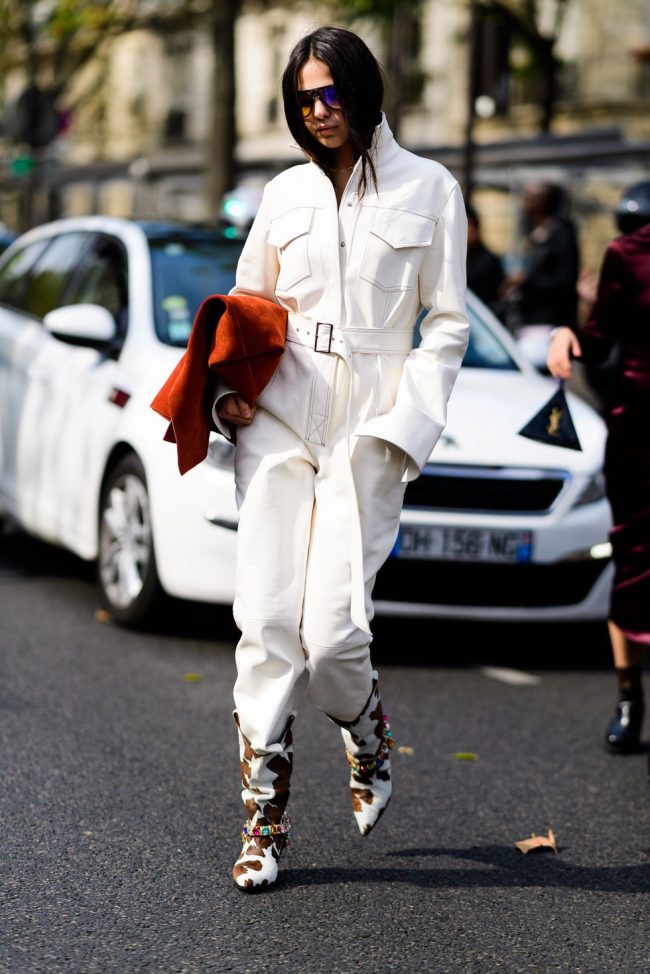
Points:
x=84, y=322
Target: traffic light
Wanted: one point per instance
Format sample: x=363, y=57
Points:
x=32, y=118
x=22, y=165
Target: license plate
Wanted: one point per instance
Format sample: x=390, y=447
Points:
x=463, y=544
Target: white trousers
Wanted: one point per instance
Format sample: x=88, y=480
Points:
x=298, y=511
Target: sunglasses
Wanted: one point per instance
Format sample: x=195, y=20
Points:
x=307, y=99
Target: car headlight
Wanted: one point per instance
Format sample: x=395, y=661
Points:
x=594, y=490
x=221, y=453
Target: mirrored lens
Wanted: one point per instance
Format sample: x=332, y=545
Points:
x=307, y=99
x=330, y=97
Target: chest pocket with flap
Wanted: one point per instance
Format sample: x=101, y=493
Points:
x=395, y=247
x=290, y=234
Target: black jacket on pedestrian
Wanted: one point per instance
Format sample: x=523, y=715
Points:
x=485, y=274
x=548, y=294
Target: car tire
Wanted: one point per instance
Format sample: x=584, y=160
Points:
x=126, y=565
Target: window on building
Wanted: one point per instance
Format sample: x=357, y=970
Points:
x=175, y=125
x=180, y=94
x=414, y=76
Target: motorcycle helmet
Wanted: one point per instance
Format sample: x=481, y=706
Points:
x=633, y=209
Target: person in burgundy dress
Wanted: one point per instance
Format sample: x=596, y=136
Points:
x=621, y=317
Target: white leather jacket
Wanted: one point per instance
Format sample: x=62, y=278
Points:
x=368, y=267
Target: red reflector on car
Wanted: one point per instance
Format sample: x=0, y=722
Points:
x=119, y=397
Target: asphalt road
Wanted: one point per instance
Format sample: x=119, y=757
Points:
x=120, y=812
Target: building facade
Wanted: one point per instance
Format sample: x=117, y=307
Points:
x=138, y=143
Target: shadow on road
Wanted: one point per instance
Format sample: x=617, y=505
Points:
x=23, y=555
x=500, y=867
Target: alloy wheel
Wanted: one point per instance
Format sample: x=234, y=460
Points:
x=125, y=542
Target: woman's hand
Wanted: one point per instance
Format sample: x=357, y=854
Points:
x=563, y=348
x=234, y=409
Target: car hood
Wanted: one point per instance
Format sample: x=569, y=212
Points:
x=487, y=409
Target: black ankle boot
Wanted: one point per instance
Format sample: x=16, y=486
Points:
x=623, y=735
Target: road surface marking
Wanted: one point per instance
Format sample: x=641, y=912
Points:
x=516, y=678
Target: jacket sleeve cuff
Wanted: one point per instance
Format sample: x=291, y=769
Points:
x=410, y=430
x=222, y=427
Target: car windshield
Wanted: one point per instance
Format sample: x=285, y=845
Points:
x=484, y=349
x=185, y=270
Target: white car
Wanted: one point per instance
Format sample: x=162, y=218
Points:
x=499, y=526
x=95, y=313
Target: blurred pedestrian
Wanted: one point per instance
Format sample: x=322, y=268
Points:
x=543, y=291
x=485, y=272
x=354, y=244
x=621, y=316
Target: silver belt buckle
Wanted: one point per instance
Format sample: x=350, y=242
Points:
x=323, y=339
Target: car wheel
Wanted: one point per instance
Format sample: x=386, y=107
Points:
x=126, y=567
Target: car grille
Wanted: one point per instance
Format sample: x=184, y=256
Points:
x=467, y=584
x=497, y=489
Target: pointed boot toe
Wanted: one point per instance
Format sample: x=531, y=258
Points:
x=368, y=807
x=368, y=741
x=370, y=783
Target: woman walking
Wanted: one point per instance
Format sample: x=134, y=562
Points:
x=620, y=317
x=353, y=243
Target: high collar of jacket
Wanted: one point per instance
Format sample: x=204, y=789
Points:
x=383, y=147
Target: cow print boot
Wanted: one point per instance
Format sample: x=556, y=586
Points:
x=368, y=741
x=265, y=792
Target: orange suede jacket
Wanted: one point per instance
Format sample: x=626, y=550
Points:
x=239, y=338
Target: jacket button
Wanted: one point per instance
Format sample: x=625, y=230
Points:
x=343, y=243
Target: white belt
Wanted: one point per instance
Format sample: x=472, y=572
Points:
x=327, y=338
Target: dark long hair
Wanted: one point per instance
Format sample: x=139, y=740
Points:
x=359, y=85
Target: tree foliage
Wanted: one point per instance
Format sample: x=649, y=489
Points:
x=51, y=42
x=54, y=39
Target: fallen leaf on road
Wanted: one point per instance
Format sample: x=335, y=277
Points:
x=403, y=749
x=537, y=842
x=101, y=615
x=465, y=756
x=192, y=677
